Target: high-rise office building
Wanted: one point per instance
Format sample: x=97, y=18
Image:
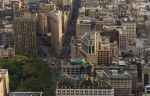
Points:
x=129, y=29
x=123, y=41
x=25, y=35
x=89, y=46
x=55, y=25
x=104, y=53
x=127, y=36
x=96, y=49
x=85, y=25
x=16, y=5
x=43, y=23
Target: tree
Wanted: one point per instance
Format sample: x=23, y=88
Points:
x=29, y=74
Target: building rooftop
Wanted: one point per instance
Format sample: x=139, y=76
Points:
x=82, y=84
x=146, y=94
x=3, y=71
x=116, y=71
x=86, y=20
x=120, y=75
x=25, y=94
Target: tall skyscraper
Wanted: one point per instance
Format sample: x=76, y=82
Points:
x=55, y=21
x=105, y=54
x=42, y=23
x=25, y=35
x=130, y=31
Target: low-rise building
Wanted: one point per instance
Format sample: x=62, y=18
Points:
x=7, y=52
x=4, y=82
x=25, y=94
x=119, y=78
x=122, y=84
x=83, y=88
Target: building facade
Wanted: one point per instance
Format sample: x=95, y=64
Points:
x=25, y=35
x=4, y=82
x=55, y=19
x=84, y=92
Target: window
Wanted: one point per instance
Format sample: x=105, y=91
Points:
x=68, y=92
x=77, y=92
x=99, y=92
x=95, y=92
x=58, y=92
x=90, y=92
x=86, y=92
x=63, y=92
x=72, y=92
x=81, y=92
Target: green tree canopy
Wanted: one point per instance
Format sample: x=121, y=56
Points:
x=29, y=74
